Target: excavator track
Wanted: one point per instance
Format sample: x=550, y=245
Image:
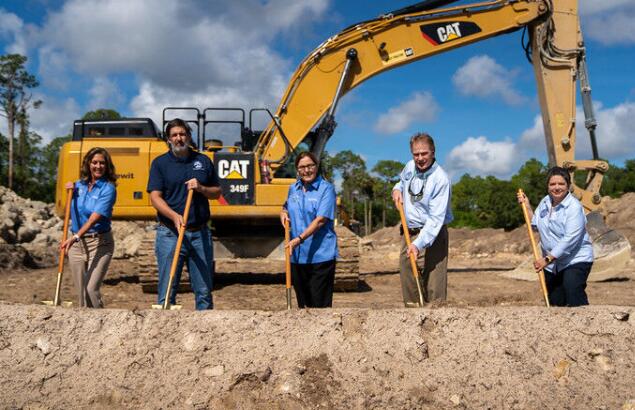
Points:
x=346, y=272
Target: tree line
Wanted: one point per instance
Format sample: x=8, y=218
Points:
x=477, y=202
x=29, y=167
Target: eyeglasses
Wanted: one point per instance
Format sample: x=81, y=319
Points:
x=307, y=167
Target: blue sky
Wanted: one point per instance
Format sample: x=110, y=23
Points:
x=479, y=102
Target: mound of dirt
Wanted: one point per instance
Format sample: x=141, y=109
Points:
x=619, y=214
x=520, y=357
x=30, y=232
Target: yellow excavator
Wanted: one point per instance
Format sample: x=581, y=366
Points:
x=257, y=169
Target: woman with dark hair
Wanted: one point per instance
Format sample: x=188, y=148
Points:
x=91, y=247
x=310, y=207
x=566, y=247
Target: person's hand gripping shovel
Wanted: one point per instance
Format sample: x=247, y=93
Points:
x=534, y=247
x=60, y=269
x=413, y=260
x=175, y=259
x=287, y=262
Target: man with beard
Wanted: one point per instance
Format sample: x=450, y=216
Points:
x=424, y=191
x=172, y=175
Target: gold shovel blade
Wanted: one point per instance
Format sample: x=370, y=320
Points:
x=63, y=303
x=172, y=307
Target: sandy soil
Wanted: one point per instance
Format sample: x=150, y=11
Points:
x=512, y=358
x=491, y=345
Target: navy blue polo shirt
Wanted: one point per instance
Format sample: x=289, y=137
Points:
x=168, y=174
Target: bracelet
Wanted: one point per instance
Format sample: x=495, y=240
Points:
x=300, y=238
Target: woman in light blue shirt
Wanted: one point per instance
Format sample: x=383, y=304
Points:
x=566, y=247
x=310, y=207
x=91, y=247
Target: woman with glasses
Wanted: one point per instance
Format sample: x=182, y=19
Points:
x=91, y=247
x=566, y=247
x=310, y=207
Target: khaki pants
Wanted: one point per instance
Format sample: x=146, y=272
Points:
x=433, y=267
x=89, y=259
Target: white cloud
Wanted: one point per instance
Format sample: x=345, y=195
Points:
x=421, y=107
x=104, y=94
x=609, y=22
x=55, y=117
x=483, y=77
x=11, y=26
x=480, y=156
x=532, y=140
x=179, y=51
x=54, y=70
x=590, y=7
x=614, y=133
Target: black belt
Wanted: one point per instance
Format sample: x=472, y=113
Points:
x=411, y=231
x=194, y=228
x=92, y=234
x=189, y=228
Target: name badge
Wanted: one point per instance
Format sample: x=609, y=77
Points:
x=544, y=212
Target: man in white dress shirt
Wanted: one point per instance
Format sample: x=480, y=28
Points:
x=424, y=189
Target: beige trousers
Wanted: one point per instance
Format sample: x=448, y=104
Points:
x=89, y=259
x=433, y=267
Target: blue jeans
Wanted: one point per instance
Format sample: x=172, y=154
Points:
x=198, y=252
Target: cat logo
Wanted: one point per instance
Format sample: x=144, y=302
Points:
x=233, y=169
x=439, y=33
x=449, y=32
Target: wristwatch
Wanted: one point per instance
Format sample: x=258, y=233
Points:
x=549, y=259
x=75, y=238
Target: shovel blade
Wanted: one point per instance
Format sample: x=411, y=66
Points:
x=51, y=303
x=171, y=307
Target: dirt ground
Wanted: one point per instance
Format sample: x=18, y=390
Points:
x=516, y=357
x=480, y=285
x=491, y=345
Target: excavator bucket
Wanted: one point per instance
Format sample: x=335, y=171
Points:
x=611, y=249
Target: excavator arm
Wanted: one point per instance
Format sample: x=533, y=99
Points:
x=361, y=51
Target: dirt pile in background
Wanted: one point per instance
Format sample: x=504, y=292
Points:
x=520, y=357
x=467, y=247
x=30, y=232
x=619, y=214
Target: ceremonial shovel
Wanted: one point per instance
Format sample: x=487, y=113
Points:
x=541, y=273
x=413, y=261
x=175, y=260
x=287, y=263
x=60, y=269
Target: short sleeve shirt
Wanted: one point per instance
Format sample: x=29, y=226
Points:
x=168, y=174
x=303, y=207
x=100, y=199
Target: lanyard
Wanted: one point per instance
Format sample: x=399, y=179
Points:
x=416, y=197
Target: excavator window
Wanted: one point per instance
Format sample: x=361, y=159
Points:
x=120, y=128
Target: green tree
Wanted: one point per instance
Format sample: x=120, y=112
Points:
x=532, y=179
x=15, y=81
x=102, y=114
x=485, y=203
x=617, y=181
x=50, y=157
x=388, y=174
x=357, y=184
